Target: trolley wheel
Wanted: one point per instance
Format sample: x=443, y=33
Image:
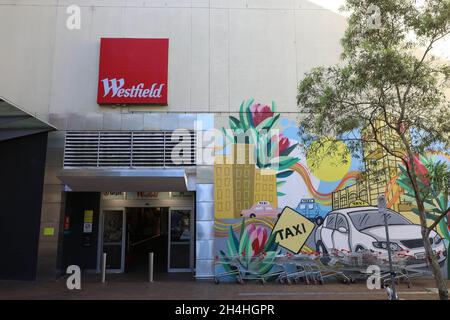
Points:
x=263, y=282
x=240, y=281
x=216, y=281
x=352, y=280
x=289, y=281
x=281, y=281
x=296, y=280
x=321, y=282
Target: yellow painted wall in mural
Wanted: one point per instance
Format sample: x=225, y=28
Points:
x=238, y=183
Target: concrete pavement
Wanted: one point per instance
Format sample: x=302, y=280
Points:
x=182, y=288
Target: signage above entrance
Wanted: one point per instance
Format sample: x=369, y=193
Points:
x=144, y=195
x=133, y=71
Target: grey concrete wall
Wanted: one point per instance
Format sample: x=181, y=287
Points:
x=52, y=209
x=220, y=51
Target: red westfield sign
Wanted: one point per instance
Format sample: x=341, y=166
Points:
x=133, y=71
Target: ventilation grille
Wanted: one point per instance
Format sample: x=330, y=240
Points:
x=129, y=149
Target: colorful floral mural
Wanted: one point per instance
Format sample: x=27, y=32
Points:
x=337, y=193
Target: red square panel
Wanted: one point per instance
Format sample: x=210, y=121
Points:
x=133, y=71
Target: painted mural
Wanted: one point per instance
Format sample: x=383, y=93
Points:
x=272, y=200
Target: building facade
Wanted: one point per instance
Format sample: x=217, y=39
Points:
x=110, y=180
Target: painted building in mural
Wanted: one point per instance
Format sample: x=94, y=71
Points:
x=380, y=170
x=125, y=169
x=240, y=184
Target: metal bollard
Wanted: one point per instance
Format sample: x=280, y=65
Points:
x=104, y=267
x=150, y=266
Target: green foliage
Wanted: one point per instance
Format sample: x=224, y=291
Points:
x=386, y=73
x=435, y=192
x=264, y=138
x=239, y=250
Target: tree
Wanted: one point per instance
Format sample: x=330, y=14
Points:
x=387, y=80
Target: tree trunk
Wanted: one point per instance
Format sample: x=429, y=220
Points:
x=430, y=256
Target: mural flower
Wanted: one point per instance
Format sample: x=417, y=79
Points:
x=258, y=238
x=283, y=143
x=257, y=125
x=260, y=113
x=420, y=170
x=253, y=249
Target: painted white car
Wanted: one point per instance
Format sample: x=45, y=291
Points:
x=362, y=228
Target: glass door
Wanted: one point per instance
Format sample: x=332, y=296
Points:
x=113, y=239
x=180, y=240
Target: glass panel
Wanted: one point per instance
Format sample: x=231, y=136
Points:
x=112, y=238
x=180, y=237
x=180, y=221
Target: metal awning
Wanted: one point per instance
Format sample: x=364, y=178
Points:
x=124, y=180
x=15, y=122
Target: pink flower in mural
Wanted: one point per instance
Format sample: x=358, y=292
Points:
x=260, y=113
x=421, y=170
x=283, y=142
x=258, y=237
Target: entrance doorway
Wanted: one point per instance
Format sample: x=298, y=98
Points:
x=147, y=230
x=180, y=240
x=128, y=234
x=113, y=239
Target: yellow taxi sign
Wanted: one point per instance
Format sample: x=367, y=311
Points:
x=358, y=203
x=292, y=230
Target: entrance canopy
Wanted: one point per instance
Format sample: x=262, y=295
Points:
x=14, y=122
x=123, y=180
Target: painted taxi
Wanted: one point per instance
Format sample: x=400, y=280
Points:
x=261, y=209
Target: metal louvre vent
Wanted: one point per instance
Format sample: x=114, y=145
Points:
x=129, y=149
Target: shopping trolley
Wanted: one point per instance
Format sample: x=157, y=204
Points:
x=231, y=266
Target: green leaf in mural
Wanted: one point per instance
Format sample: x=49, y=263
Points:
x=274, y=106
x=271, y=123
x=227, y=135
x=243, y=242
x=233, y=239
x=285, y=174
x=443, y=202
x=403, y=170
x=283, y=162
x=244, y=108
x=249, y=118
x=268, y=262
x=242, y=229
x=248, y=252
x=234, y=123
x=230, y=248
x=289, y=150
x=281, y=183
x=405, y=186
x=224, y=261
x=265, y=123
x=271, y=244
x=280, y=194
